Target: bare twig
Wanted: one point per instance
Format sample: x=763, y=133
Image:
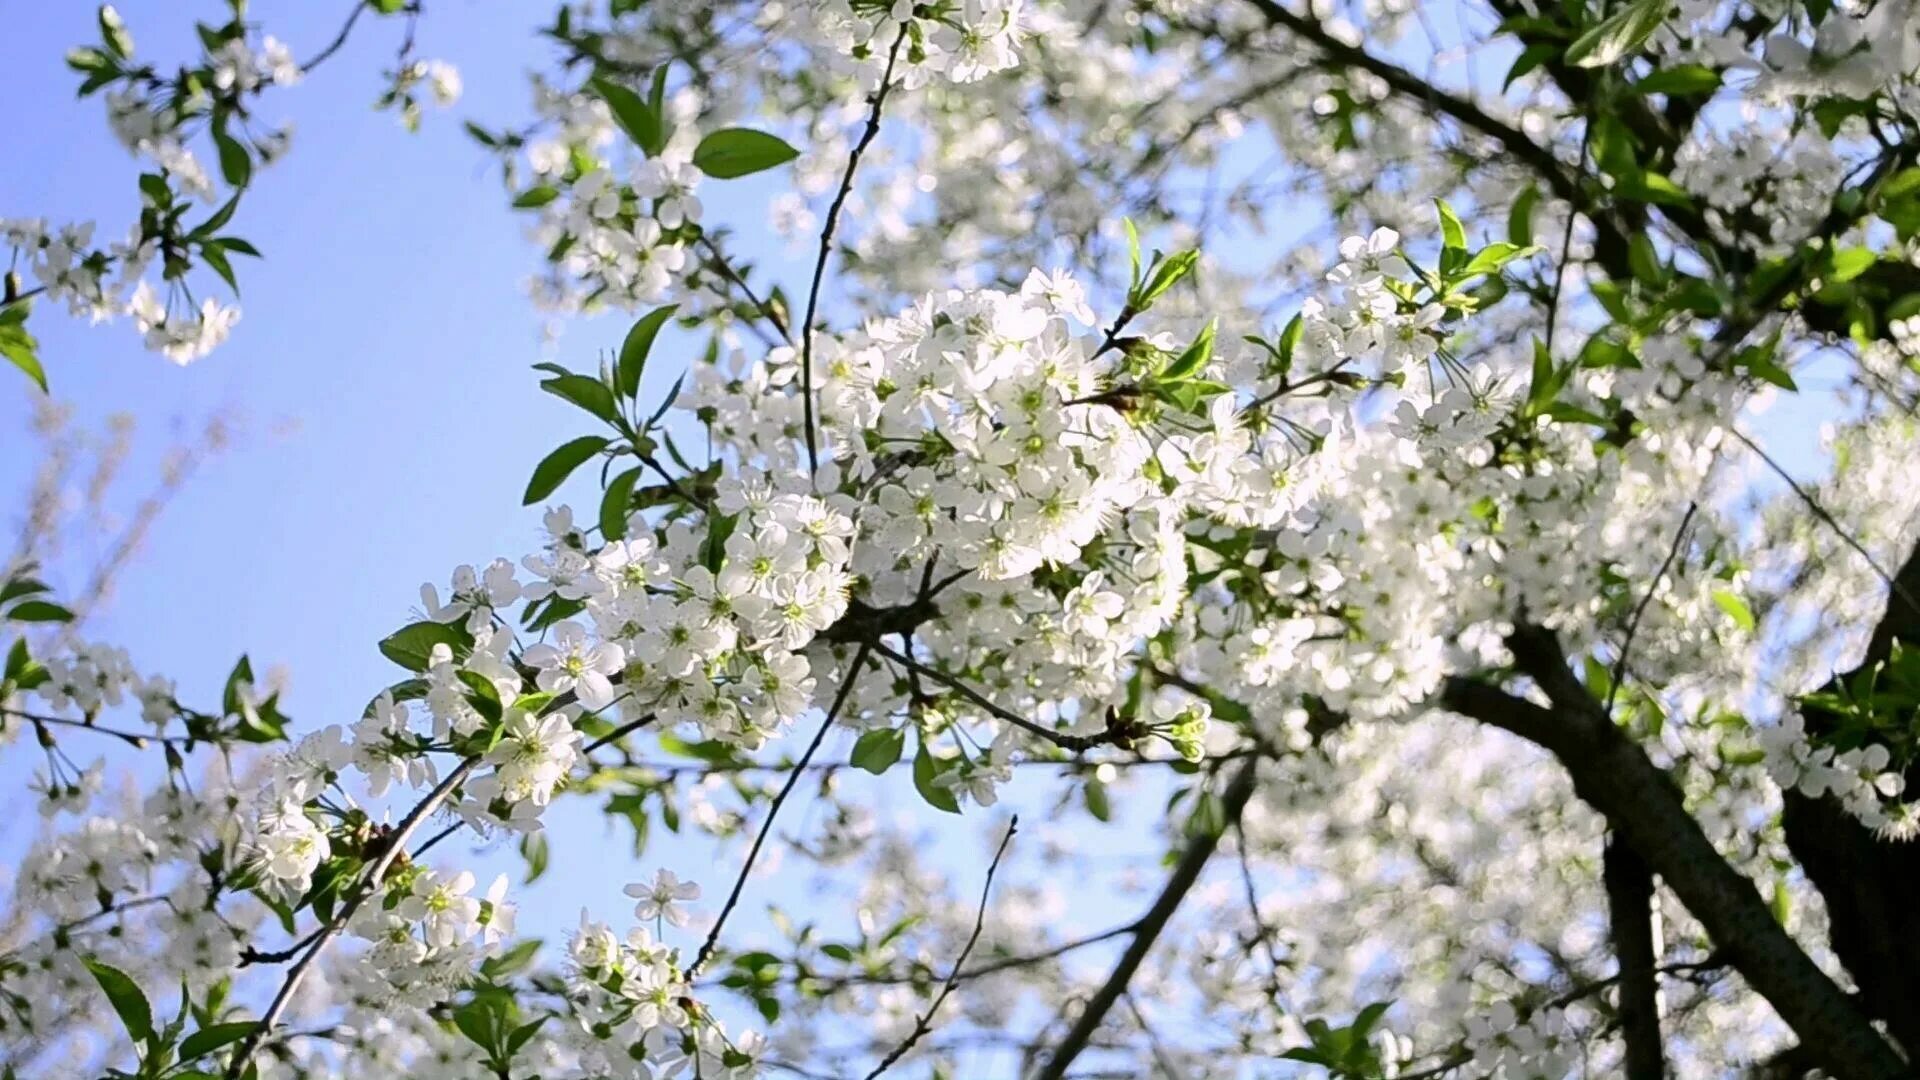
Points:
x=867, y=136
x=925, y=1023
x=1185, y=874
x=1058, y=738
x=1633, y=624
x=708, y=946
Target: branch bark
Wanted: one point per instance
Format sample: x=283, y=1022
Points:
x=1614, y=775
x=1185, y=874
x=1629, y=886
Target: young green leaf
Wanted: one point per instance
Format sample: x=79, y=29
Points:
x=412, y=646
x=125, y=997
x=615, y=504
x=214, y=1036
x=640, y=122
x=1619, y=35
x=734, y=152
x=1452, y=234
x=1194, y=358
x=554, y=469
x=588, y=393
x=926, y=771
x=877, y=750
x=638, y=343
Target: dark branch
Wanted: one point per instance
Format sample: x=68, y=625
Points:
x=1644, y=806
x=1185, y=874
x=1629, y=888
x=925, y=1023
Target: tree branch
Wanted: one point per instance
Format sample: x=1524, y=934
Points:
x=1629, y=888
x=1185, y=874
x=1644, y=806
x=708, y=946
x=925, y=1023
x=826, y=244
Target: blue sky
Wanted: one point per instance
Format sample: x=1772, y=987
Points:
x=387, y=330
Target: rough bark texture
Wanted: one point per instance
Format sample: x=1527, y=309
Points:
x=1871, y=886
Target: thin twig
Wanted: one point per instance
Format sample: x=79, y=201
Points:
x=1061, y=739
x=766, y=827
x=1828, y=519
x=136, y=739
x=767, y=310
x=925, y=1023
x=339, y=39
x=1267, y=933
x=826, y=245
x=1633, y=624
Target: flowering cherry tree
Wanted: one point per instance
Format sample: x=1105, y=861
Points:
x=1514, y=710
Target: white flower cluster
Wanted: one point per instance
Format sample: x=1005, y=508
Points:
x=1506, y=1046
x=964, y=42
x=1861, y=778
x=106, y=283
x=606, y=231
x=634, y=1000
x=89, y=677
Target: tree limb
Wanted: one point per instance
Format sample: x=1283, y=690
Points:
x=1629, y=887
x=1644, y=806
x=1185, y=874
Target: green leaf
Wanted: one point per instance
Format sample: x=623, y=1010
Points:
x=412, y=646
x=236, y=167
x=1735, y=608
x=1681, y=80
x=1452, y=234
x=214, y=1036
x=217, y=259
x=19, y=347
x=1194, y=358
x=1097, y=802
x=1850, y=263
x=533, y=848
x=482, y=695
x=1520, y=218
x=732, y=152
x=1209, y=817
x=513, y=961
x=536, y=197
x=1644, y=260
x=1619, y=35
x=1655, y=187
x=126, y=998
x=615, y=504
x=39, y=611
x=925, y=771
x=638, y=343
x=634, y=116
x=1529, y=59
x=1491, y=259
x=589, y=393
x=1163, y=276
x=554, y=469
x=877, y=750
x=1901, y=184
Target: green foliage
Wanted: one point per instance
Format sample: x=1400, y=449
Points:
x=412, y=646
x=1618, y=35
x=735, y=152
x=554, y=469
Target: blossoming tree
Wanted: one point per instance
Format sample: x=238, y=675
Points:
x=1515, y=711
